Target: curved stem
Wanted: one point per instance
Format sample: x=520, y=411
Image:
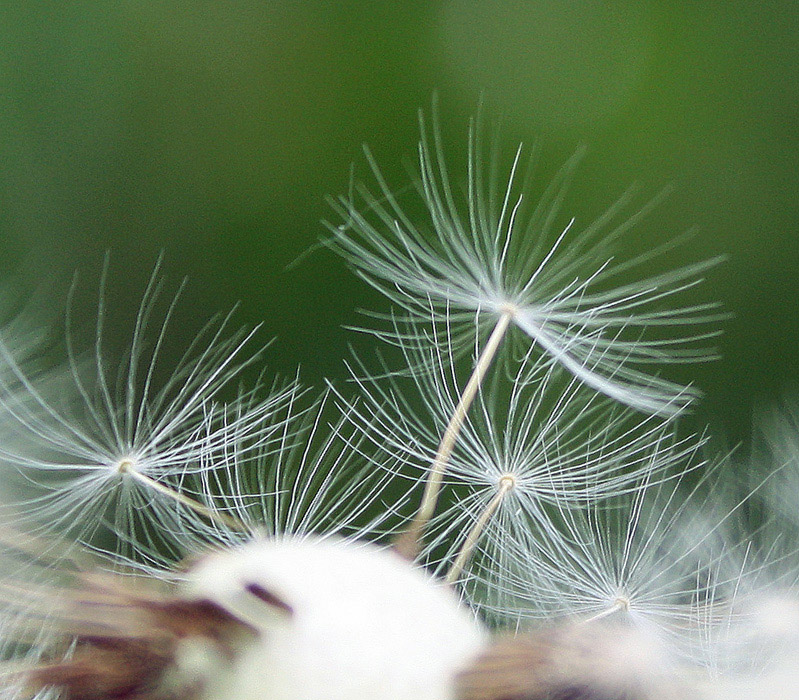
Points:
x=196, y=506
x=506, y=484
x=408, y=543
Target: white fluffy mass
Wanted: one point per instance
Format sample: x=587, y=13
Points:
x=364, y=623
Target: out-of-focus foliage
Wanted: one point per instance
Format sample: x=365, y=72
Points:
x=214, y=130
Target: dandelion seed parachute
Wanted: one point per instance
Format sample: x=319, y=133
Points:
x=102, y=449
x=494, y=256
x=559, y=495
x=539, y=436
x=644, y=559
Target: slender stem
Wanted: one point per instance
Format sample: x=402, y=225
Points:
x=408, y=544
x=619, y=604
x=196, y=506
x=506, y=484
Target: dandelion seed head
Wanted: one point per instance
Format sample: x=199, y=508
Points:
x=603, y=660
x=527, y=406
x=363, y=622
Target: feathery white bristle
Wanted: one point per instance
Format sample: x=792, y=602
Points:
x=99, y=446
x=490, y=253
x=517, y=433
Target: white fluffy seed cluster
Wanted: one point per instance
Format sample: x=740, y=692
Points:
x=363, y=623
x=502, y=504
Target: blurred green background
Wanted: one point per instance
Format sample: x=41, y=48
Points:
x=214, y=131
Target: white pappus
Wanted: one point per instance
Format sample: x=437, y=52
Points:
x=482, y=519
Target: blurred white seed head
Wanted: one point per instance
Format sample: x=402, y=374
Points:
x=354, y=621
x=603, y=660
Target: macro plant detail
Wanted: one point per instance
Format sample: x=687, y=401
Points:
x=498, y=261
x=500, y=505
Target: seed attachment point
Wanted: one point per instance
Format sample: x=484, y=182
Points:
x=126, y=465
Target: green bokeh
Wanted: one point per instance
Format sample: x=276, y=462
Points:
x=214, y=131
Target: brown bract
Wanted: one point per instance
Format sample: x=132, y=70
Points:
x=134, y=646
x=569, y=662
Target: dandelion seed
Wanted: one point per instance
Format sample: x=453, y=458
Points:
x=548, y=442
x=109, y=451
x=506, y=483
x=646, y=558
x=493, y=256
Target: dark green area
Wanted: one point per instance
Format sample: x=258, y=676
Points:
x=214, y=131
